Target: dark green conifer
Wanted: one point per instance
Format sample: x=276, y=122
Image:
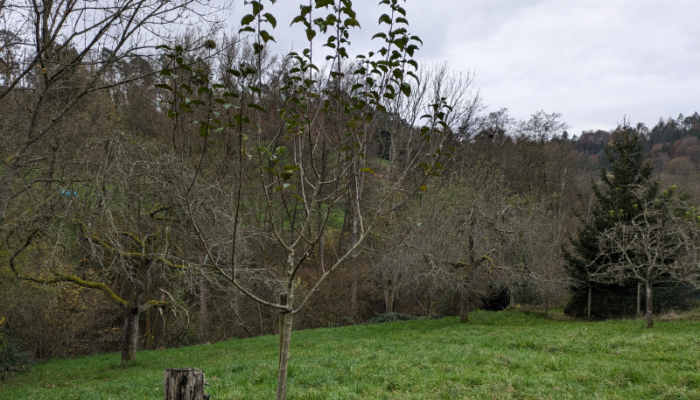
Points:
x=617, y=200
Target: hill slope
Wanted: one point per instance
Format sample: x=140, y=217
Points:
x=496, y=356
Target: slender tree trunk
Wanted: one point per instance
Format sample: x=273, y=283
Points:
x=639, y=299
x=590, y=298
x=650, y=311
x=546, y=301
x=353, y=272
x=203, y=296
x=149, y=321
x=512, y=298
x=463, y=303
x=203, y=309
x=389, y=300
x=131, y=333
x=285, y=340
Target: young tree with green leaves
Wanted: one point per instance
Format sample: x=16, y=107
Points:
x=316, y=157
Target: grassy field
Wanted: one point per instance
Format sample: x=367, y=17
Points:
x=496, y=356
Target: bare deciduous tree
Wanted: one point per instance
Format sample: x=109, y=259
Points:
x=658, y=245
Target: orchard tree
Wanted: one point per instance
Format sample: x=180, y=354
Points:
x=317, y=156
x=117, y=235
x=658, y=245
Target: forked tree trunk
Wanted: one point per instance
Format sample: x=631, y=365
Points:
x=285, y=340
x=131, y=333
x=650, y=311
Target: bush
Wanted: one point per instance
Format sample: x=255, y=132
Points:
x=391, y=317
x=497, y=299
x=12, y=359
x=620, y=302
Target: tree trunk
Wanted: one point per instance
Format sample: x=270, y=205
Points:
x=285, y=341
x=590, y=298
x=546, y=301
x=639, y=299
x=203, y=309
x=464, y=304
x=353, y=272
x=131, y=333
x=184, y=384
x=149, y=322
x=650, y=311
x=388, y=300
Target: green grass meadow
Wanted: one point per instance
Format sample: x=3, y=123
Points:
x=506, y=355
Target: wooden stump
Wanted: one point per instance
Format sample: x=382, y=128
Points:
x=184, y=384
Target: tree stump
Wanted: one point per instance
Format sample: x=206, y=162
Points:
x=184, y=384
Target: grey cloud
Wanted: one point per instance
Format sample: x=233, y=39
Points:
x=595, y=61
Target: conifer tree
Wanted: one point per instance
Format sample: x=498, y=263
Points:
x=616, y=201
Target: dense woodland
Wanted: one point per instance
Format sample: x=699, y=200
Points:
x=168, y=187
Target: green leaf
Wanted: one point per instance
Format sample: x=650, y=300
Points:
x=258, y=48
x=164, y=86
x=271, y=19
x=270, y=170
x=406, y=89
x=367, y=169
x=352, y=22
x=247, y=19
x=266, y=37
x=257, y=107
x=310, y=34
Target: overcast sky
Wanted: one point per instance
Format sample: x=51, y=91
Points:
x=594, y=61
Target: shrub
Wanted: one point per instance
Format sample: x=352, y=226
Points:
x=497, y=298
x=391, y=317
x=12, y=359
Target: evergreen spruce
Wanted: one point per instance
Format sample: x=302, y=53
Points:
x=616, y=201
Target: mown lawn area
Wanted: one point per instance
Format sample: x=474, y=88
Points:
x=506, y=355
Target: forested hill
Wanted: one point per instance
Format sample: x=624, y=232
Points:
x=671, y=143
